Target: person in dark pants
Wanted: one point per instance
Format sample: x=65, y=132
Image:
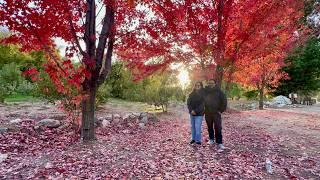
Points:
x=215, y=103
x=196, y=109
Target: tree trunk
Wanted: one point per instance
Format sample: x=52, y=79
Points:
x=219, y=76
x=87, y=127
x=261, y=97
x=220, y=43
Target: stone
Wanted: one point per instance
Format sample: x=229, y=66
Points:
x=116, y=116
x=58, y=117
x=105, y=123
x=126, y=117
x=64, y=126
x=281, y=100
x=48, y=165
x=143, y=117
x=97, y=122
x=3, y=157
x=152, y=118
x=108, y=117
x=16, y=121
x=51, y=123
x=3, y=130
x=14, y=114
x=116, y=120
x=141, y=125
x=132, y=116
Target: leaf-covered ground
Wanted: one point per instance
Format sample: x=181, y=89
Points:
x=161, y=151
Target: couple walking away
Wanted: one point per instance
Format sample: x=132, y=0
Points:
x=209, y=102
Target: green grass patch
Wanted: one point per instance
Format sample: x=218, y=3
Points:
x=21, y=98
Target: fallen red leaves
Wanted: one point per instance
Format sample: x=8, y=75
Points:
x=158, y=150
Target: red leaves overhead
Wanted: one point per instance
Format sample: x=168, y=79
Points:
x=211, y=32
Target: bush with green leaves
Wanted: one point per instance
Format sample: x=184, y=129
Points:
x=163, y=88
x=103, y=94
x=12, y=82
x=157, y=89
x=251, y=95
x=235, y=91
x=45, y=88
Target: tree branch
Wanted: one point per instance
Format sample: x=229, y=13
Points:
x=90, y=29
x=107, y=64
x=105, y=32
x=73, y=31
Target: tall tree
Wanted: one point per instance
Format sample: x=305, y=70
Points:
x=215, y=33
x=303, y=68
x=34, y=25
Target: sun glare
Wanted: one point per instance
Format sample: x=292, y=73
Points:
x=183, y=77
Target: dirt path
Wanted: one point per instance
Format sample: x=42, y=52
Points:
x=162, y=150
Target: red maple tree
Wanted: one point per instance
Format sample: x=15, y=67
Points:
x=216, y=33
x=34, y=25
x=150, y=35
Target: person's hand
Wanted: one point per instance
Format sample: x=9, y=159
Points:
x=193, y=112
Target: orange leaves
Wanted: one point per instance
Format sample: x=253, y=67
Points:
x=131, y=3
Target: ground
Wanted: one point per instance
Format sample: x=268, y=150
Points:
x=290, y=138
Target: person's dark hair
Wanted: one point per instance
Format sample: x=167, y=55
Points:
x=198, y=82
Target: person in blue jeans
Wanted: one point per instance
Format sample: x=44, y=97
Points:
x=196, y=109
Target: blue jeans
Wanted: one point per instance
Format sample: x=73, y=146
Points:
x=196, y=124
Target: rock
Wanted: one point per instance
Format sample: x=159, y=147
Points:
x=116, y=120
x=281, y=100
x=143, y=117
x=116, y=116
x=51, y=123
x=98, y=121
x=3, y=157
x=16, y=121
x=141, y=125
x=106, y=123
x=3, y=130
x=129, y=117
x=132, y=116
x=108, y=117
x=253, y=105
x=14, y=115
x=48, y=165
x=44, y=108
x=64, y=126
x=58, y=117
x=152, y=118
x=126, y=117
x=147, y=117
x=280, y=105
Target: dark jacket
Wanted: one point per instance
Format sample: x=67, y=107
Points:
x=214, y=100
x=196, y=103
